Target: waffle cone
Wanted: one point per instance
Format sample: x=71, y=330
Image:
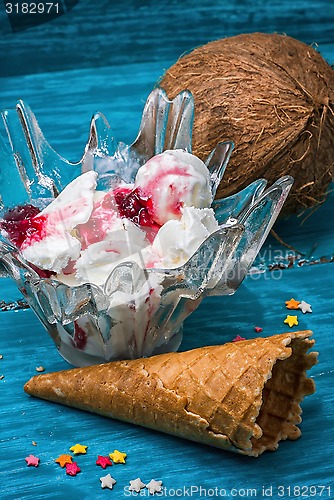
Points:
x=241, y=396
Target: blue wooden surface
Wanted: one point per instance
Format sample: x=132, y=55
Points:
x=101, y=56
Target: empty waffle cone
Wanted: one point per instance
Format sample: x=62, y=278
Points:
x=241, y=396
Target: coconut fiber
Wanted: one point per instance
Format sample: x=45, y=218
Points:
x=273, y=97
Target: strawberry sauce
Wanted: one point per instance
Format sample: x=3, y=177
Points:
x=135, y=206
x=23, y=225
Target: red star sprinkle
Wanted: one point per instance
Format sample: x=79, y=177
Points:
x=258, y=329
x=72, y=469
x=103, y=461
x=32, y=460
x=238, y=338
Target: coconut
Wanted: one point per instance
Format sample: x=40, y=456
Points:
x=273, y=97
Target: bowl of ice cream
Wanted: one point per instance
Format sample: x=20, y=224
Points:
x=114, y=252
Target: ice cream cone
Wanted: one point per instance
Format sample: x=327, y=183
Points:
x=241, y=396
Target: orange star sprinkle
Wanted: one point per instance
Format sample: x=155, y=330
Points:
x=62, y=460
x=292, y=304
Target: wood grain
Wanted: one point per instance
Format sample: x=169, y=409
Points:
x=106, y=56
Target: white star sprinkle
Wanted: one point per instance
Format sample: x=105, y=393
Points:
x=107, y=481
x=136, y=485
x=305, y=307
x=154, y=486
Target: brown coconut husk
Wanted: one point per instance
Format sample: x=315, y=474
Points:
x=273, y=97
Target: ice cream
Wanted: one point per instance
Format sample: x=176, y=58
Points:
x=158, y=221
x=173, y=180
x=121, y=242
x=54, y=244
x=177, y=240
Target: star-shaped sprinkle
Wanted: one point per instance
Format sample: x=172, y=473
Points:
x=62, y=460
x=118, y=457
x=258, y=329
x=305, y=307
x=32, y=460
x=79, y=449
x=238, y=338
x=291, y=320
x=72, y=469
x=292, y=304
x=107, y=481
x=154, y=486
x=103, y=461
x=136, y=485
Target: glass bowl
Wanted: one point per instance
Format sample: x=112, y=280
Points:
x=137, y=312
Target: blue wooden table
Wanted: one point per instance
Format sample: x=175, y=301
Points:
x=100, y=56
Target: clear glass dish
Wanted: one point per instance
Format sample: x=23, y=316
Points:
x=137, y=312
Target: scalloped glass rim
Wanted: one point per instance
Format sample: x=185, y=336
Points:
x=217, y=267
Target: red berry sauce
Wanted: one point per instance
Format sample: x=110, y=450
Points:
x=80, y=337
x=23, y=223
x=136, y=207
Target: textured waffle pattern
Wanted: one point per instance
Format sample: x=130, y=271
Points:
x=219, y=395
x=282, y=395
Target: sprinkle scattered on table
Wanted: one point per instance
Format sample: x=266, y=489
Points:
x=103, y=461
x=34, y=443
x=136, y=485
x=32, y=461
x=107, y=481
x=292, y=304
x=118, y=457
x=154, y=486
x=291, y=320
x=305, y=307
x=258, y=329
x=62, y=460
x=40, y=369
x=72, y=469
x=238, y=338
x=79, y=449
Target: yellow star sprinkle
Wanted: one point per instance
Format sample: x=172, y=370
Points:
x=118, y=457
x=291, y=320
x=292, y=304
x=79, y=449
x=62, y=460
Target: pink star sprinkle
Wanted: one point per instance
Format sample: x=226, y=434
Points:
x=258, y=329
x=32, y=460
x=238, y=338
x=103, y=461
x=72, y=469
